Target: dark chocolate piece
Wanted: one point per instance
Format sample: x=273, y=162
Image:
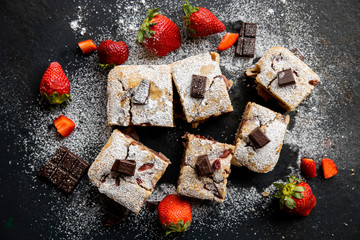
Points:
x=198, y=86
x=47, y=169
x=286, y=77
x=79, y=168
x=298, y=54
x=58, y=176
x=130, y=131
x=258, y=138
x=250, y=30
x=64, y=169
x=126, y=167
x=59, y=154
x=246, y=43
x=203, y=166
x=69, y=184
x=141, y=93
x=68, y=161
x=115, y=166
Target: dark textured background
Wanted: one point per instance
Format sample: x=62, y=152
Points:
x=35, y=32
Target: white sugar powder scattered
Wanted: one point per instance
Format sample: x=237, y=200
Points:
x=81, y=214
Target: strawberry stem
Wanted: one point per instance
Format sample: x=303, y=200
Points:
x=144, y=30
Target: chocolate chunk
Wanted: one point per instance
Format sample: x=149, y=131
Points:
x=246, y=43
x=141, y=93
x=68, y=161
x=130, y=131
x=250, y=30
x=198, y=86
x=285, y=78
x=79, y=168
x=47, y=169
x=258, y=138
x=298, y=54
x=115, y=166
x=59, y=154
x=248, y=49
x=69, y=184
x=203, y=166
x=64, y=169
x=126, y=167
x=58, y=176
x=212, y=188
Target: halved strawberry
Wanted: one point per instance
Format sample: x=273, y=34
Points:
x=228, y=40
x=329, y=168
x=308, y=167
x=64, y=125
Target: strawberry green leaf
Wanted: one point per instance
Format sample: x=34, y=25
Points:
x=297, y=195
x=106, y=66
x=278, y=185
x=299, y=189
x=290, y=203
x=144, y=30
x=55, y=98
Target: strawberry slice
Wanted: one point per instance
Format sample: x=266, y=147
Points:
x=64, y=125
x=87, y=46
x=228, y=40
x=329, y=168
x=308, y=167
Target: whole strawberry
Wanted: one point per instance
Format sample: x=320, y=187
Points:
x=54, y=85
x=295, y=197
x=174, y=213
x=200, y=21
x=112, y=53
x=158, y=34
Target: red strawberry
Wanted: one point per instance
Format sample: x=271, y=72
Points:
x=308, y=167
x=158, y=34
x=200, y=21
x=329, y=168
x=228, y=40
x=54, y=85
x=296, y=197
x=64, y=125
x=112, y=53
x=174, y=213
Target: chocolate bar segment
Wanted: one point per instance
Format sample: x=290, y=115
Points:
x=141, y=93
x=69, y=184
x=126, y=167
x=79, y=168
x=285, y=78
x=246, y=43
x=258, y=138
x=198, y=86
x=47, y=170
x=64, y=169
x=298, y=54
x=203, y=166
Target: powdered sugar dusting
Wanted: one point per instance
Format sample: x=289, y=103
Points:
x=80, y=215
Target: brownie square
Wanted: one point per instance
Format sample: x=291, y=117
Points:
x=259, y=138
x=47, y=170
x=58, y=176
x=207, y=184
x=212, y=99
x=68, y=161
x=299, y=82
x=129, y=191
x=79, y=168
x=69, y=183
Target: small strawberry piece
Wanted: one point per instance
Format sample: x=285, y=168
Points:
x=64, y=125
x=174, y=213
x=112, y=53
x=158, y=34
x=228, y=40
x=295, y=197
x=216, y=164
x=87, y=46
x=54, y=85
x=308, y=168
x=329, y=168
x=200, y=21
